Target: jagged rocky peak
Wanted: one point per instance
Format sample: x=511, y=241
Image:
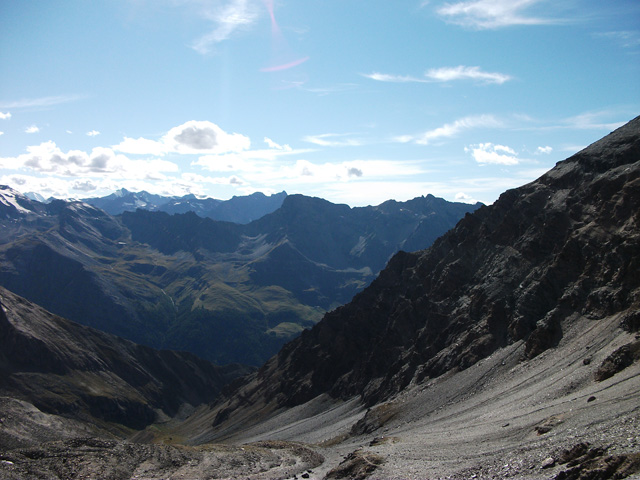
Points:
x=564, y=246
x=13, y=204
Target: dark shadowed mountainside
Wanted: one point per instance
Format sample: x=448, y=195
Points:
x=67, y=369
x=564, y=247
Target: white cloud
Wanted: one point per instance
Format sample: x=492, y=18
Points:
x=275, y=145
x=84, y=186
x=294, y=174
x=192, y=137
x=48, y=158
x=194, y=178
x=227, y=17
x=32, y=129
x=385, y=77
x=488, y=153
x=224, y=163
x=41, y=102
x=451, y=129
x=404, y=138
x=247, y=160
x=327, y=140
x=204, y=137
x=5, y=116
x=444, y=74
x=304, y=171
x=93, y=133
x=463, y=197
x=489, y=14
x=47, y=187
x=544, y=150
x=1, y=133
x=141, y=146
x=461, y=72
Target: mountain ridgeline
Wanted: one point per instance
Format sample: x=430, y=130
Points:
x=243, y=209
x=563, y=247
x=228, y=292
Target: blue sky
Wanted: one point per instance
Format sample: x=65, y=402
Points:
x=355, y=101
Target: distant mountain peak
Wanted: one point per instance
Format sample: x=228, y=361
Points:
x=14, y=203
x=238, y=209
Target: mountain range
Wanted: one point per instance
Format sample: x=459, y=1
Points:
x=507, y=349
x=228, y=292
x=238, y=209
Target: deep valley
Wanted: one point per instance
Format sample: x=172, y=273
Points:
x=228, y=292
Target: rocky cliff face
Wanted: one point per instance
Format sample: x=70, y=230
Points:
x=563, y=246
x=68, y=369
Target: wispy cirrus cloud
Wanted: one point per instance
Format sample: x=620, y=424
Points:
x=227, y=17
x=592, y=120
x=491, y=14
x=386, y=77
x=443, y=75
x=461, y=72
x=451, y=129
x=40, y=101
x=544, y=150
x=606, y=119
x=333, y=140
x=624, y=38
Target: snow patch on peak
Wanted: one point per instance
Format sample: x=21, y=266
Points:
x=9, y=198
